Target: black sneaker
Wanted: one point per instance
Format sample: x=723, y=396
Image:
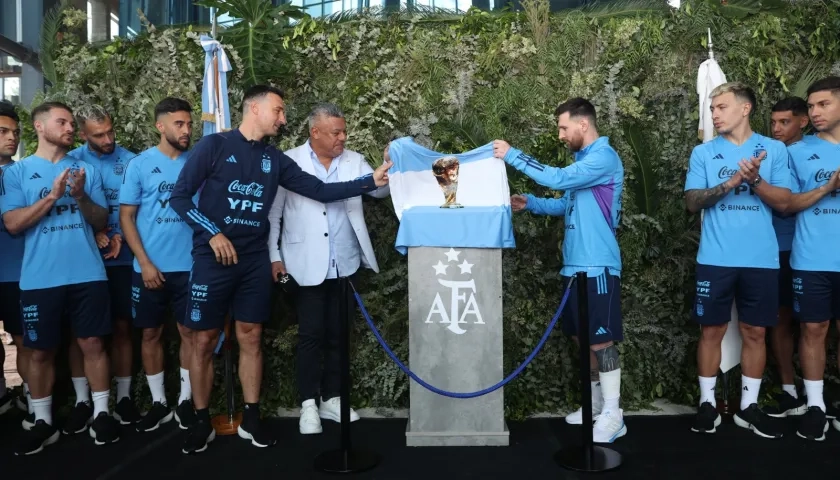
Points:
x=126, y=412
x=199, y=436
x=255, y=432
x=80, y=417
x=813, y=425
x=28, y=421
x=7, y=401
x=786, y=405
x=185, y=414
x=831, y=412
x=707, y=419
x=38, y=437
x=105, y=429
x=752, y=418
x=155, y=417
x=21, y=403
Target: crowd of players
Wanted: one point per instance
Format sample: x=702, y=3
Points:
x=195, y=222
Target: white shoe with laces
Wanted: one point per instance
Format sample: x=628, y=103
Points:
x=309, y=421
x=576, y=417
x=331, y=410
x=609, y=426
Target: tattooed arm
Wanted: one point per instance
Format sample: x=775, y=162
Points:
x=698, y=199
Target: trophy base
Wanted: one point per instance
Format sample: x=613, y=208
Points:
x=452, y=205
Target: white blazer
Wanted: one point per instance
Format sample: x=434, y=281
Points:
x=304, y=249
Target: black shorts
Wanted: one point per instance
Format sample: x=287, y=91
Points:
x=816, y=296
x=754, y=290
x=119, y=287
x=149, y=306
x=243, y=290
x=85, y=305
x=785, y=280
x=604, y=296
x=10, y=308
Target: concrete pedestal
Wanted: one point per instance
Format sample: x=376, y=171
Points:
x=455, y=344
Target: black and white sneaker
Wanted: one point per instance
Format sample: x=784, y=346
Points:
x=752, y=418
x=7, y=401
x=185, y=415
x=707, y=419
x=831, y=412
x=105, y=429
x=787, y=405
x=39, y=436
x=155, y=417
x=80, y=417
x=199, y=436
x=21, y=403
x=28, y=421
x=255, y=432
x=126, y=412
x=813, y=425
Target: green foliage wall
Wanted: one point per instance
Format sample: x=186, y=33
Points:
x=457, y=82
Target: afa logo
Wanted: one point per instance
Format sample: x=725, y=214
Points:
x=796, y=306
x=32, y=334
x=195, y=315
x=266, y=164
x=133, y=312
x=699, y=310
x=119, y=168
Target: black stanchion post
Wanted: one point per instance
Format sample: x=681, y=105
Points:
x=228, y=424
x=586, y=457
x=345, y=459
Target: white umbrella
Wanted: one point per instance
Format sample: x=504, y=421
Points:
x=709, y=76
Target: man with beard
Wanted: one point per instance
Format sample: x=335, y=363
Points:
x=161, y=243
x=96, y=128
x=815, y=259
x=591, y=205
x=737, y=197
x=11, y=256
x=238, y=173
x=57, y=202
x=787, y=119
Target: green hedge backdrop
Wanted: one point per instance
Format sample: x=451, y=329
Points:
x=455, y=82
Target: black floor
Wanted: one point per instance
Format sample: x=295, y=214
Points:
x=655, y=447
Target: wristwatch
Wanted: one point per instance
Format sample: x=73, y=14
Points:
x=757, y=181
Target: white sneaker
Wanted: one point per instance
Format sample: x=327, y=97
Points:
x=609, y=426
x=309, y=421
x=576, y=418
x=331, y=410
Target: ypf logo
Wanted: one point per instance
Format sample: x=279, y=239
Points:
x=454, y=317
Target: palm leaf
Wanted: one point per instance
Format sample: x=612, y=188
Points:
x=49, y=39
x=615, y=9
x=813, y=72
x=645, y=183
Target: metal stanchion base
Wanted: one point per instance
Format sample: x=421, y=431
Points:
x=574, y=458
x=346, y=461
x=223, y=426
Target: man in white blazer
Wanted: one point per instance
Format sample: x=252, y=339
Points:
x=318, y=244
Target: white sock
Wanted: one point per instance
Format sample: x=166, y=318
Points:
x=28, y=395
x=791, y=389
x=80, y=384
x=814, y=392
x=749, y=391
x=186, y=389
x=156, y=387
x=611, y=388
x=123, y=387
x=597, y=395
x=42, y=408
x=2, y=385
x=707, y=390
x=100, y=402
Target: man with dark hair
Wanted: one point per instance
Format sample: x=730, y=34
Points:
x=591, y=205
x=787, y=119
x=96, y=128
x=737, y=197
x=11, y=255
x=57, y=202
x=238, y=174
x=815, y=259
x=161, y=243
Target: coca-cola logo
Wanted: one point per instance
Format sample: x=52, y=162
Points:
x=250, y=189
x=46, y=191
x=823, y=175
x=112, y=194
x=727, y=172
x=166, y=187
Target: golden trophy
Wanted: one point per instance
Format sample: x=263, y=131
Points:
x=446, y=172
